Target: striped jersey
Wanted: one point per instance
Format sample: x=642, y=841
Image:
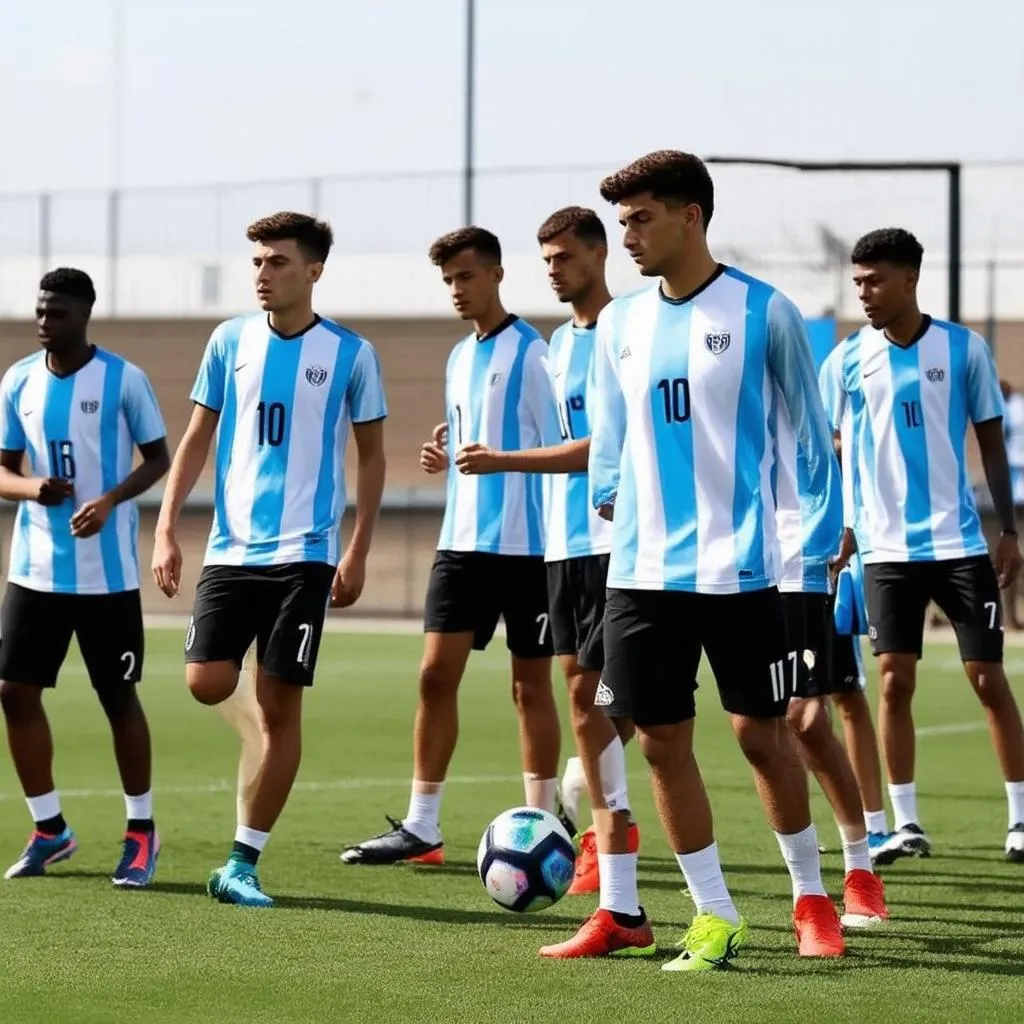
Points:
x=84, y=428
x=909, y=409
x=684, y=440
x=285, y=406
x=498, y=393
x=809, y=520
x=574, y=529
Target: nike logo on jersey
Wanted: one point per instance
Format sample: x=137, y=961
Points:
x=240, y=366
x=27, y=412
x=871, y=373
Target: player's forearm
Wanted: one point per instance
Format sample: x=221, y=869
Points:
x=140, y=480
x=997, y=475
x=14, y=486
x=557, y=458
x=188, y=463
x=370, y=475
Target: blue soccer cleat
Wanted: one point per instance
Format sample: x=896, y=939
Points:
x=137, y=865
x=238, y=883
x=41, y=852
x=909, y=841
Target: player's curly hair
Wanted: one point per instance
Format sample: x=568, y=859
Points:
x=581, y=221
x=448, y=246
x=888, y=245
x=70, y=282
x=671, y=176
x=313, y=237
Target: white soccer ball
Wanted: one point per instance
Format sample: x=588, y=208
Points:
x=526, y=859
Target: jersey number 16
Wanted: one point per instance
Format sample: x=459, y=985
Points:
x=62, y=459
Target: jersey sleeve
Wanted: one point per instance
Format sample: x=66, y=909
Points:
x=12, y=434
x=366, y=399
x=791, y=364
x=608, y=421
x=539, y=393
x=141, y=409
x=984, y=399
x=830, y=386
x=211, y=380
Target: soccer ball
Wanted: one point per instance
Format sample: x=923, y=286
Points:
x=526, y=859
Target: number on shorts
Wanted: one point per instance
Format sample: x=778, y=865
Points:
x=542, y=621
x=128, y=658
x=993, y=608
x=778, y=671
x=306, y=629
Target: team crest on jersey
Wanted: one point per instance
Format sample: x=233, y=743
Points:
x=90, y=405
x=935, y=374
x=604, y=696
x=716, y=342
x=316, y=375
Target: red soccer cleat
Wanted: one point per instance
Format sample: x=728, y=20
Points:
x=864, y=900
x=818, y=932
x=601, y=936
x=587, y=879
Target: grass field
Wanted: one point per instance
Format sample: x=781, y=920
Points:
x=425, y=944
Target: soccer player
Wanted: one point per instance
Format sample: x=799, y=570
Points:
x=77, y=412
x=809, y=523
x=280, y=391
x=913, y=385
x=490, y=557
x=681, y=458
x=574, y=247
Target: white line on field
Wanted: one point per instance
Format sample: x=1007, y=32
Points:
x=223, y=786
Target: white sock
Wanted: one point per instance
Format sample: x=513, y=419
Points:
x=540, y=793
x=139, y=808
x=904, y=804
x=44, y=807
x=618, y=883
x=875, y=822
x=251, y=837
x=424, y=814
x=856, y=855
x=800, y=852
x=612, y=766
x=1015, y=803
x=703, y=873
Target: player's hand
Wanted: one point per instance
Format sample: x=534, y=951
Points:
x=433, y=458
x=89, y=519
x=348, y=581
x=54, y=490
x=477, y=458
x=607, y=511
x=167, y=563
x=847, y=549
x=1008, y=559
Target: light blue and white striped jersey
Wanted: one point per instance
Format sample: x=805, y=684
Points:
x=909, y=410
x=285, y=407
x=498, y=393
x=809, y=520
x=575, y=530
x=83, y=427
x=683, y=438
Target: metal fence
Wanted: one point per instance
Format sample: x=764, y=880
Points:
x=181, y=251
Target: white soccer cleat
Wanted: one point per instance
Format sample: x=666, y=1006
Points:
x=1015, y=843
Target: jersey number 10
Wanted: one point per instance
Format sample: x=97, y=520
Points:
x=270, y=423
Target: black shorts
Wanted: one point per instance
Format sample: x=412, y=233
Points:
x=37, y=627
x=576, y=589
x=281, y=607
x=653, y=641
x=825, y=661
x=966, y=589
x=470, y=590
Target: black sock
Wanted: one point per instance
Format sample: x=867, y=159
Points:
x=141, y=825
x=243, y=852
x=52, y=826
x=629, y=920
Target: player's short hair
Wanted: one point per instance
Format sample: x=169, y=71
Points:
x=888, y=245
x=70, y=282
x=450, y=245
x=314, y=237
x=581, y=221
x=671, y=176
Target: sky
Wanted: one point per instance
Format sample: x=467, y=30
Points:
x=238, y=90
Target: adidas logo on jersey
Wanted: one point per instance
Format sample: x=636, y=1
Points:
x=604, y=696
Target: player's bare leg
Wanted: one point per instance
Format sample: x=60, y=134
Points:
x=1004, y=722
x=821, y=751
x=241, y=711
x=28, y=737
x=540, y=734
x=862, y=750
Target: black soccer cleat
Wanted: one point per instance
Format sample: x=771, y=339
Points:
x=1015, y=844
x=396, y=846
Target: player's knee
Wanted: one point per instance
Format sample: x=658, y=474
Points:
x=665, y=746
x=760, y=739
x=211, y=682
x=582, y=690
x=19, y=700
x=989, y=683
x=851, y=706
x=437, y=683
x=531, y=694
x=897, y=682
x=808, y=719
x=118, y=701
